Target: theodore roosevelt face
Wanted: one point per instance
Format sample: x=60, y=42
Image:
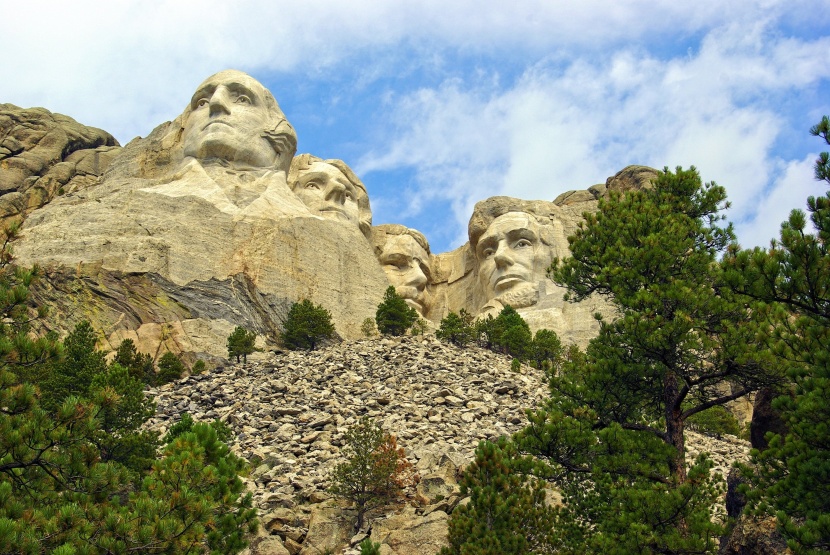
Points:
x=406, y=265
x=227, y=121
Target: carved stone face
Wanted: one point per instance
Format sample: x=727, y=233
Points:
x=227, y=120
x=327, y=192
x=512, y=259
x=406, y=264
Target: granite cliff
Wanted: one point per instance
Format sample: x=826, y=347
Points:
x=213, y=221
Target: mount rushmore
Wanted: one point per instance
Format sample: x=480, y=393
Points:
x=214, y=221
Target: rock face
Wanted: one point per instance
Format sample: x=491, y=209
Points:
x=216, y=223
x=43, y=155
x=289, y=411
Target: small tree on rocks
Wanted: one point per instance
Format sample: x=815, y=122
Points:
x=375, y=471
x=306, y=326
x=394, y=316
x=241, y=343
x=457, y=328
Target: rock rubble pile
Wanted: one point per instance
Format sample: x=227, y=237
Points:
x=289, y=412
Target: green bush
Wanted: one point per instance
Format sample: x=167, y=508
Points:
x=171, y=368
x=715, y=421
x=306, y=326
x=456, y=328
x=241, y=343
x=368, y=327
x=393, y=315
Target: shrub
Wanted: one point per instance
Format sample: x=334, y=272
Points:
x=367, y=547
x=241, y=343
x=368, y=327
x=715, y=421
x=394, y=316
x=375, y=470
x=546, y=349
x=306, y=326
x=456, y=328
x=171, y=368
x=198, y=367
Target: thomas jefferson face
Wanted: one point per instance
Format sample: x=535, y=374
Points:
x=328, y=192
x=227, y=120
x=512, y=259
x=406, y=264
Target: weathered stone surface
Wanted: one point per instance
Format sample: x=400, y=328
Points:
x=407, y=533
x=290, y=410
x=43, y=155
x=755, y=536
x=208, y=212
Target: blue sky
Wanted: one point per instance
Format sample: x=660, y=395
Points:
x=436, y=105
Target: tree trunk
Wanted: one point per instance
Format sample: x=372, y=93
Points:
x=674, y=427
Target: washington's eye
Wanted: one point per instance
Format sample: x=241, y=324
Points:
x=202, y=102
x=312, y=185
x=242, y=99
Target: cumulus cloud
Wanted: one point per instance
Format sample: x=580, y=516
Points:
x=552, y=95
x=788, y=191
x=566, y=126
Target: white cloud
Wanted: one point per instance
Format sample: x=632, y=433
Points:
x=560, y=128
x=789, y=191
x=596, y=92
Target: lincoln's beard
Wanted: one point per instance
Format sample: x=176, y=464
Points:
x=520, y=296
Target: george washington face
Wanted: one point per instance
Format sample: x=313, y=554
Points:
x=228, y=116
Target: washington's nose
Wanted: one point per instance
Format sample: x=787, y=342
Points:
x=336, y=191
x=220, y=102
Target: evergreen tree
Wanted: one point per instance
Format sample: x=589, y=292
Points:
x=306, y=326
x=507, y=513
x=613, y=430
x=171, y=368
x=241, y=343
x=375, y=470
x=119, y=436
x=546, y=350
x=73, y=374
x=393, y=315
x=139, y=365
x=513, y=336
x=62, y=494
x=792, y=476
x=456, y=328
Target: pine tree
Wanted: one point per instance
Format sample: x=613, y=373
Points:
x=791, y=477
x=62, y=487
x=306, y=326
x=393, y=315
x=375, y=470
x=171, y=368
x=241, y=343
x=546, y=349
x=140, y=365
x=507, y=513
x=613, y=429
x=73, y=374
x=456, y=328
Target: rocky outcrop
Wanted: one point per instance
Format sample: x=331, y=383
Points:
x=43, y=155
x=289, y=411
